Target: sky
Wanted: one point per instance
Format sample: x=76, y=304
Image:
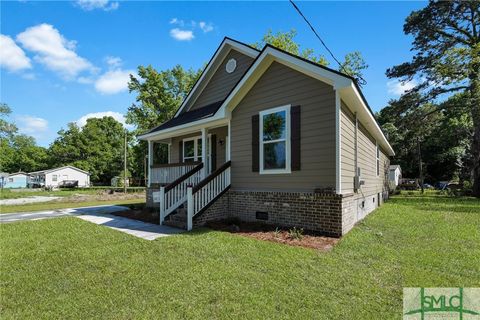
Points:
x=65, y=61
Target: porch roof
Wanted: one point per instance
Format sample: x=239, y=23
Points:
x=189, y=116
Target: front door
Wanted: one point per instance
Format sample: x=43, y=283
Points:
x=192, y=151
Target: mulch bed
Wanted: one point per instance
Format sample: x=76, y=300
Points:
x=270, y=233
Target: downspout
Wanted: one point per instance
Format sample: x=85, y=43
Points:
x=355, y=156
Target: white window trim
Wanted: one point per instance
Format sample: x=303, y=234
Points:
x=377, y=158
x=288, y=165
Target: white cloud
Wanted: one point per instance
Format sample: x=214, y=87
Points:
x=54, y=51
x=177, y=22
x=31, y=125
x=89, y=5
x=181, y=35
x=113, y=81
x=206, y=27
x=116, y=115
x=398, y=88
x=113, y=62
x=12, y=57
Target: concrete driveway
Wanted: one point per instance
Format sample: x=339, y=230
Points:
x=99, y=215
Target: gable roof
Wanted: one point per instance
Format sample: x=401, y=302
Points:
x=212, y=65
x=59, y=168
x=20, y=173
x=346, y=85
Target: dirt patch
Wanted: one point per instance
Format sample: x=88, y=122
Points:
x=269, y=233
x=139, y=213
x=103, y=196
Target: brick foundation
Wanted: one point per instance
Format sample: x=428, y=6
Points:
x=323, y=212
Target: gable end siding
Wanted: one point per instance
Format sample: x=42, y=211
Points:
x=222, y=82
x=278, y=86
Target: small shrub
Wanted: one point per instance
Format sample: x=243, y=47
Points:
x=276, y=232
x=296, y=234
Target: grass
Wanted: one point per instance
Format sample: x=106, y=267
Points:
x=53, y=205
x=68, y=268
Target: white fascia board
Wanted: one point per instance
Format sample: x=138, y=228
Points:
x=212, y=67
x=185, y=128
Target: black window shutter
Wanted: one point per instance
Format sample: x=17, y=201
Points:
x=180, y=151
x=213, y=153
x=295, y=137
x=255, y=142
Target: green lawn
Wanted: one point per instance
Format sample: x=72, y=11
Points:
x=68, y=268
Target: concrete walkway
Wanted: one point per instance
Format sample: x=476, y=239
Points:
x=99, y=215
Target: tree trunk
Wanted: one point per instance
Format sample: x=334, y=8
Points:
x=475, y=109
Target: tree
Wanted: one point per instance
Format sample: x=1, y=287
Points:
x=444, y=136
x=159, y=94
x=98, y=147
x=447, y=60
x=353, y=64
x=19, y=152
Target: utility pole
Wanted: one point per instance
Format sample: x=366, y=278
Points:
x=125, y=165
x=420, y=166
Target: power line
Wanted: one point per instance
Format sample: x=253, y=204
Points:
x=314, y=31
x=323, y=43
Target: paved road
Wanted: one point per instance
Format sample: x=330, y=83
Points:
x=22, y=216
x=99, y=215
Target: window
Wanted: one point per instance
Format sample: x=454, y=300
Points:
x=275, y=140
x=192, y=149
x=378, y=160
x=54, y=177
x=10, y=179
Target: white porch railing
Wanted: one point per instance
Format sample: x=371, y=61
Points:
x=175, y=193
x=202, y=194
x=167, y=173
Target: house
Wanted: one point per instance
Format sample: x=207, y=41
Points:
x=394, y=176
x=58, y=177
x=16, y=180
x=268, y=136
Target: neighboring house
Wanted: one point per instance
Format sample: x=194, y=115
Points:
x=58, y=177
x=3, y=178
x=16, y=180
x=394, y=176
x=268, y=136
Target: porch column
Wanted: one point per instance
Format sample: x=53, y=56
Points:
x=229, y=134
x=204, y=152
x=150, y=161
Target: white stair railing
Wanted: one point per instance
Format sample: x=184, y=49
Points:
x=175, y=194
x=202, y=194
x=167, y=173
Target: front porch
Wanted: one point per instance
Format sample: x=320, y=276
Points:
x=197, y=172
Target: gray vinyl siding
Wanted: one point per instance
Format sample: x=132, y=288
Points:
x=222, y=82
x=367, y=160
x=278, y=86
x=221, y=134
x=347, y=126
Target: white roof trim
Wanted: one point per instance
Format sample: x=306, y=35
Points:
x=225, y=47
x=343, y=84
x=59, y=168
x=339, y=82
